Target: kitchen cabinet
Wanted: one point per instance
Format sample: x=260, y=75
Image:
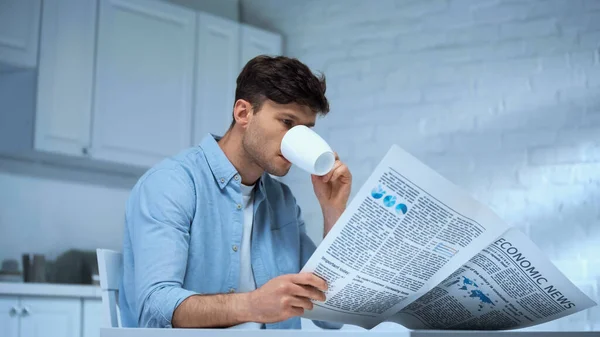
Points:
x=19, y=27
x=92, y=317
x=25, y=316
x=9, y=310
x=218, y=57
x=50, y=317
x=65, y=77
x=144, y=78
x=255, y=41
x=38, y=309
x=120, y=84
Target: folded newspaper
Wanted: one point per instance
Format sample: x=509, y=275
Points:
x=414, y=249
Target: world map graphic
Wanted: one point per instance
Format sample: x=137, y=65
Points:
x=472, y=290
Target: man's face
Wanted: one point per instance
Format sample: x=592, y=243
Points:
x=265, y=130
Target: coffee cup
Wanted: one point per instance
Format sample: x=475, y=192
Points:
x=306, y=149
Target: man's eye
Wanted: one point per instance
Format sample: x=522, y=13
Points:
x=287, y=122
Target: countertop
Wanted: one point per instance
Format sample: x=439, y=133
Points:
x=50, y=289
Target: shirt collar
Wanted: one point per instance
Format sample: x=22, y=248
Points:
x=222, y=169
x=220, y=166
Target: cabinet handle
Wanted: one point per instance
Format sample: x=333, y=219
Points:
x=25, y=311
x=13, y=311
x=85, y=151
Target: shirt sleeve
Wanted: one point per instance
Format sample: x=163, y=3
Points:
x=159, y=216
x=307, y=248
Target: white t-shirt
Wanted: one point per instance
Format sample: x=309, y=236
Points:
x=247, y=282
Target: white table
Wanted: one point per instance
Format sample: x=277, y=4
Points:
x=113, y=332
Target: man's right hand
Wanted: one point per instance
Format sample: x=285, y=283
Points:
x=285, y=296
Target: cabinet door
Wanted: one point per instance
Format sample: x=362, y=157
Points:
x=257, y=42
x=92, y=317
x=9, y=316
x=216, y=73
x=144, y=78
x=65, y=76
x=50, y=317
x=19, y=26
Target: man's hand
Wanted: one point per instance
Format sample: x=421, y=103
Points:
x=333, y=191
x=284, y=297
x=277, y=300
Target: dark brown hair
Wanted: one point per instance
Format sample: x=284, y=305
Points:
x=283, y=80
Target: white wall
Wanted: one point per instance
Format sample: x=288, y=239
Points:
x=501, y=97
x=50, y=216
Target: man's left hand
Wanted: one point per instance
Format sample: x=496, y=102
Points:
x=332, y=191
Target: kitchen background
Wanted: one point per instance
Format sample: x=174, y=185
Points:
x=502, y=97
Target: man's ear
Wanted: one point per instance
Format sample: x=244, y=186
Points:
x=241, y=112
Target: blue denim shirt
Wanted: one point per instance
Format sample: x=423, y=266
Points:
x=183, y=219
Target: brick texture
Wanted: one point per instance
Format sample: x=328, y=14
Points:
x=501, y=97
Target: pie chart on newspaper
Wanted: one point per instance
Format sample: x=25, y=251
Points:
x=377, y=192
x=401, y=209
x=389, y=201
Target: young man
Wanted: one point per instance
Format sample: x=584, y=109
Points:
x=211, y=239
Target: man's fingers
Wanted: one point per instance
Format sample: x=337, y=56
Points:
x=309, y=292
x=310, y=279
x=339, y=172
x=328, y=176
x=301, y=302
x=295, y=311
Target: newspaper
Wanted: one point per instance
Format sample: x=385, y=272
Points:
x=414, y=249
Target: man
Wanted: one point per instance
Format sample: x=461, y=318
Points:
x=211, y=239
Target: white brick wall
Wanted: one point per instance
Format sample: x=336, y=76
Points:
x=502, y=97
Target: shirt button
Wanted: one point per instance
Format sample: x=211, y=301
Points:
x=239, y=206
x=237, y=177
x=231, y=290
x=234, y=247
x=222, y=180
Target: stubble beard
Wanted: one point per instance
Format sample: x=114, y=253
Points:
x=254, y=146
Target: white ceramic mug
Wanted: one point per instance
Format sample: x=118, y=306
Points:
x=306, y=149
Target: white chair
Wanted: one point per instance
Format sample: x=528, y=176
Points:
x=110, y=269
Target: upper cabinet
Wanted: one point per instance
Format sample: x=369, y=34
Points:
x=218, y=54
x=19, y=27
x=118, y=81
x=65, y=77
x=223, y=48
x=256, y=41
x=144, y=81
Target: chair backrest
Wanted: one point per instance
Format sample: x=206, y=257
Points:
x=110, y=269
